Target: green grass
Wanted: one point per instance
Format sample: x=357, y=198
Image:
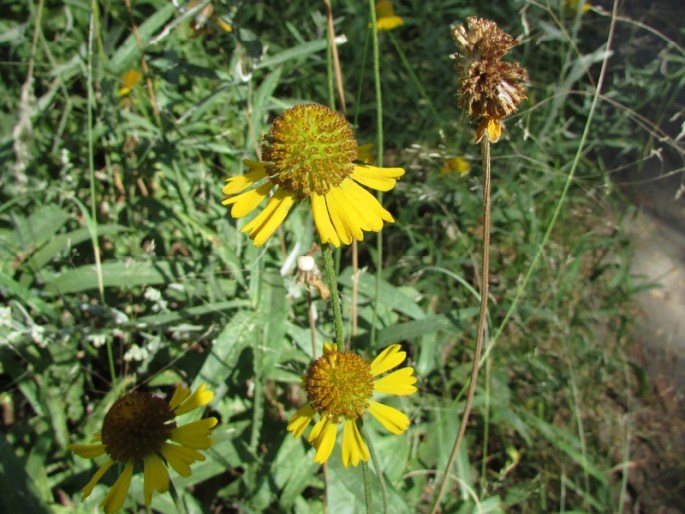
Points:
x=178, y=294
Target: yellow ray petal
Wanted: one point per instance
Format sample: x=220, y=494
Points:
x=340, y=208
x=200, y=397
x=381, y=179
x=245, y=203
x=316, y=431
x=195, y=434
x=400, y=382
x=270, y=218
x=393, y=420
x=155, y=477
x=322, y=220
x=341, y=228
x=387, y=359
x=325, y=442
x=180, y=458
x=363, y=203
x=85, y=492
x=241, y=182
x=301, y=420
x=353, y=446
x=181, y=392
x=117, y=494
x=368, y=202
x=87, y=451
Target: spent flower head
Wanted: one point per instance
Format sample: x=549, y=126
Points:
x=311, y=153
x=140, y=430
x=339, y=388
x=489, y=89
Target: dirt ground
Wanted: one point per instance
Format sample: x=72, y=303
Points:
x=657, y=466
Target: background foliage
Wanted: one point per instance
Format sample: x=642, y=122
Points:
x=180, y=295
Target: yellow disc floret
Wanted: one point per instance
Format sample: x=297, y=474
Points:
x=310, y=148
x=339, y=385
x=136, y=425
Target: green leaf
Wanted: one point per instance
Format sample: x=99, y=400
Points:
x=129, y=52
x=411, y=330
x=122, y=275
x=389, y=295
x=17, y=490
x=64, y=242
x=567, y=443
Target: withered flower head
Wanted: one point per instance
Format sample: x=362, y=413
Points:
x=490, y=89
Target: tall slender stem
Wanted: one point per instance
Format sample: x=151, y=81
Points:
x=482, y=318
x=332, y=280
x=377, y=465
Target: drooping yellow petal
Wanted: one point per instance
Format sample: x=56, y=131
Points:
x=387, y=359
x=245, y=203
x=200, y=397
x=368, y=202
x=267, y=221
x=322, y=220
x=341, y=229
x=85, y=492
x=301, y=420
x=87, y=451
x=381, y=179
x=325, y=442
x=316, y=430
x=180, y=458
x=353, y=446
x=341, y=210
x=393, y=420
x=364, y=203
x=195, y=434
x=155, y=477
x=117, y=494
x=400, y=382
x=239, y=183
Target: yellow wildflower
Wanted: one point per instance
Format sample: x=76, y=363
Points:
x=311, y=153
x=339, y=388
x=140, y=430
x=457, y=165
x=129, y=81
x=386, y=19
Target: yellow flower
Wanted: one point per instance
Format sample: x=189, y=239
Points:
x=339, y=388
x=129, y=80
x=310, y=152
x=572, y=6
x=386, y=19
x=139, y=430
x=457, y=165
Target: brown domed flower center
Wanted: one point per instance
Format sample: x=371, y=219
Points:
x=136, y=425
x=339, y=385
x=310, y=148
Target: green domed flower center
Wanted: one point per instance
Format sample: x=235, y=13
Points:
x=136, y=425
x=339, y=385
x=310, y=148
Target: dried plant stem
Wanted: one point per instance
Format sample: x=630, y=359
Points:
x=482, y=318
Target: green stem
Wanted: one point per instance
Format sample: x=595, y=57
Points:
x=332, y=280
x=367, y=487
x=379, y=160
x=377, y=465
x=482, y=317
x=412, y=74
